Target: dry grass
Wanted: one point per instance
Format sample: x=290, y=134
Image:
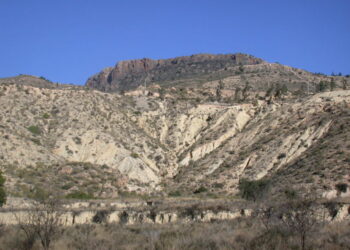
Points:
x=245, y=233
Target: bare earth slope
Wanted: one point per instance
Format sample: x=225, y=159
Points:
x=68, y=140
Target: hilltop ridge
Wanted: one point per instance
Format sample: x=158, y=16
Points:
x=132, y=73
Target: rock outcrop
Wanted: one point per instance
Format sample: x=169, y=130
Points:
x=133, y=73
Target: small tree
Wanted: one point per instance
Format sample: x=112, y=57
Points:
x=297, y=216
x=322, y=86
x=344, y=84
x=253, y=190
x=300, y=216
x=161, y=92
x=238, y=93
x=219, y=90
x=284, y=89
x=332, y=84
x=42, y=222
x=2, y=190
x=245, y=91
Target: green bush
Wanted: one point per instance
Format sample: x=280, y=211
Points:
x=134, y=155
x=253, y=190
x=34, y=130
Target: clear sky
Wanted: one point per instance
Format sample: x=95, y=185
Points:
x=69, y=40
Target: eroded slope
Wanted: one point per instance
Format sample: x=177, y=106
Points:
x=76, y=140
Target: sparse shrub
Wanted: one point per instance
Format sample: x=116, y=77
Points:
x=281, y=156
x=39, y=193
x=200, y=190
x=46, y=116
x=128, y=194
x=67, y=186
x=79, y=195
x=158, y=158
x=341, y=187
x=175, y=193
x=134, y=155
x=191, y=211
x=36, y=141
x=290, y=194
x=332, y=208
x=34, y=130
x=104, y=166
x=100, y=217
x=124, y=217
x=77, y=140
x=218, y=185
x=44, y=78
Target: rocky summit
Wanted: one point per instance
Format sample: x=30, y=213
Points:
x=133, y=73
x=188, y=126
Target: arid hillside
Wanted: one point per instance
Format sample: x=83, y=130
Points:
x=173, y=141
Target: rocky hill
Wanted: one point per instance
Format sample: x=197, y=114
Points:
x=177, y=139
x=232, y=72
x=133, y=73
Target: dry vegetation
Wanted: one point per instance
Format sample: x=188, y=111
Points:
x=247, y=233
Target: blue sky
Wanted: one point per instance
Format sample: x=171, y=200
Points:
x=69, y=40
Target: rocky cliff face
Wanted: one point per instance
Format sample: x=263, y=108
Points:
x=130, y=74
